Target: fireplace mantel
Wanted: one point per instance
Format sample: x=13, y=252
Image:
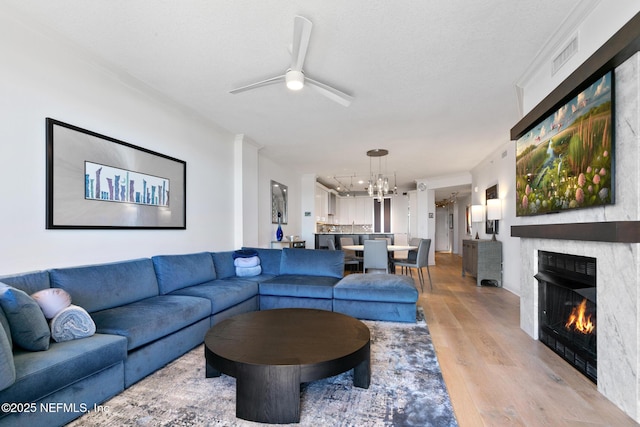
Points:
x=612, y=231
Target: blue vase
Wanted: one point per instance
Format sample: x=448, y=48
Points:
x=279, y=233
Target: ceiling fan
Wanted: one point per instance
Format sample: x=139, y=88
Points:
x=294, y=76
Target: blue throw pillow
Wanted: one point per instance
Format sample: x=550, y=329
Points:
x=7, y=368
x=248, y=271
x=29, y=328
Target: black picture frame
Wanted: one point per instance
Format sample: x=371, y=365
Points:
x=279, y=203
x=491, y=226
x=98, y=182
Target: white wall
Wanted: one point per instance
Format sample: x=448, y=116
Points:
x=267, y=171
x=461, y=223
x=499, y=168
x=399, y=213
x=246, y=191
x=41, y=78
x=597, y=27
x=607, y=17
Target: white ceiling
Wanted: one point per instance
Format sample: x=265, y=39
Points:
x=433, y=81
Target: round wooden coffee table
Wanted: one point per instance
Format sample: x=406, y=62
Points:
x=270, y=353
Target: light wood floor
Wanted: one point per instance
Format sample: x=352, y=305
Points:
x=495, y=373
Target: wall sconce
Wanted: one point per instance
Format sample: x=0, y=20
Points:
x=477, y=215
x=494, y=213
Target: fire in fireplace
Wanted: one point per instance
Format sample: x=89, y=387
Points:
x=567, y=308
x=579, y=320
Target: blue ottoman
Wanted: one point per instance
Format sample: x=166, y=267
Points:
x=390, y=297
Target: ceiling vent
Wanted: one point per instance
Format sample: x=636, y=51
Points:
x=569, y=50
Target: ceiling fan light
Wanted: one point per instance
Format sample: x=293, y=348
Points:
x=295, y=80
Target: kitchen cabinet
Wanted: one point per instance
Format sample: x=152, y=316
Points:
x=331, y=204
x=326, y=205
x=346, y=213
x=322, y=204
x=363, y=210
x=482, y=259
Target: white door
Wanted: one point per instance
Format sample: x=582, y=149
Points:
x=442, y=230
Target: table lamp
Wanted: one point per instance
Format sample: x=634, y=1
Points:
x=477, y=215
x=494, y=213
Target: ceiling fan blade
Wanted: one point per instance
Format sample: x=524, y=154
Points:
x=301, y=35
x=266, y=82
x=330, y=92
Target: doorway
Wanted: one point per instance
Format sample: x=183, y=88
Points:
x=443, y=240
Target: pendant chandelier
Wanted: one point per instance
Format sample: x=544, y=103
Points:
x=378, y=182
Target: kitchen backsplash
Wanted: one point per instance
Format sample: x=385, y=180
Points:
x=344, y=228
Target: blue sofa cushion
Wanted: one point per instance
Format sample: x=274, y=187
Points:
x=29, y=328
x=7, y=368
x=377, y=310
x=4, y=323
x=223, y=262
x=39, y=374
x=179, y=271
x=311, y=262
x=258, y=279
x=376, y=287
x=269, y=260
x=269, y=302
x=152, y=318
x=102, y=286
x=223, y=293
x=299, y=286
x=28, y=282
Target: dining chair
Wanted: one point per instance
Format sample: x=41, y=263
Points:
x=347, y=261
x=421, y=261
x=350, y=254
x=331, y=244
x=376, y=256
x=389, y=255
x=400, y=239
x=412, y=254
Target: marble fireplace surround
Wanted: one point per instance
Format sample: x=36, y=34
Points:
x=611, y=235
x=618, y=321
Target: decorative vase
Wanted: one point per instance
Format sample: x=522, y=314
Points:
x=279, y=232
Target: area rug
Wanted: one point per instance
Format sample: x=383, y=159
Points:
x=406, y=389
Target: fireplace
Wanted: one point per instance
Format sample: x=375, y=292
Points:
x=567, y=308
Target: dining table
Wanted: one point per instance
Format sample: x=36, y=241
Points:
x=390, y=248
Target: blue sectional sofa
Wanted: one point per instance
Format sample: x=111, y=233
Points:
x=147, y=312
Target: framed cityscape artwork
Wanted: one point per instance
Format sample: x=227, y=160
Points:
x=98, y=182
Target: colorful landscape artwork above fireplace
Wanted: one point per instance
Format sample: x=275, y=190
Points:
x=566, y=161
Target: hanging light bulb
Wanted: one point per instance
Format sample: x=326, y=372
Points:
x=378, y=182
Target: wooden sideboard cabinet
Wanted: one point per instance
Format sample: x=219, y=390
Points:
x=296, y=244
x=482, y=259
